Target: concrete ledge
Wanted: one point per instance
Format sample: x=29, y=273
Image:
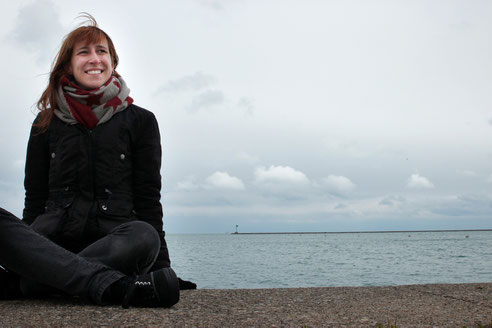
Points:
x=455, y=305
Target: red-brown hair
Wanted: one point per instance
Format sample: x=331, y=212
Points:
x=90, y=32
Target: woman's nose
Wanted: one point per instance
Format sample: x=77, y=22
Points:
x=94, y=58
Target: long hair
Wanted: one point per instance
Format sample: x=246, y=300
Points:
x=89, y=32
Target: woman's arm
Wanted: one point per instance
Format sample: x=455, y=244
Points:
x=147, y=181
x=36, y=175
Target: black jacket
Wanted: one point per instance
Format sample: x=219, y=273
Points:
x=82, y=183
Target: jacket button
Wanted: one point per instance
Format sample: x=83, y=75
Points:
x=104, y=207
x=122, y=156
x=53, y=155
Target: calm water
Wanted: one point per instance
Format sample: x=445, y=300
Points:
x=370, y=259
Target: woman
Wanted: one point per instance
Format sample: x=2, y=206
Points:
x=93, y=162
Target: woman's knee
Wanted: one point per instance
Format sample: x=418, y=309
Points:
x=142, y=236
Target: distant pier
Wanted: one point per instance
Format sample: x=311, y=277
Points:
x=346, y=232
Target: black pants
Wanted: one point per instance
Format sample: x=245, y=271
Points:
x=129, y=249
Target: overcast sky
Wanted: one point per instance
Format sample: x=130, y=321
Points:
x=286, y=115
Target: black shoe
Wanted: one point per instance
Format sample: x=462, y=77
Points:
x=9, y=285
x=185, y=284
x=156, y=289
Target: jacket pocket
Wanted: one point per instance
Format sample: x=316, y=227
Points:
x=113, y=212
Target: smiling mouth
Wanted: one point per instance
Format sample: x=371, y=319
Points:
x=94, y=71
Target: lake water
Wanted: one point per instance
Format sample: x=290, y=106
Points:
x=228, y=261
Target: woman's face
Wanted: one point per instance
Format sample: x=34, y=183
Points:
x=91, y=64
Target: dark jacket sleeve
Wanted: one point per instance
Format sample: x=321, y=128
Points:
x=36, y=175
x=147, y=180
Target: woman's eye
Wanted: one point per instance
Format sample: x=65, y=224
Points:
x=102, y=51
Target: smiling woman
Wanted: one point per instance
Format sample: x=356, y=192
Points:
x=93, y=173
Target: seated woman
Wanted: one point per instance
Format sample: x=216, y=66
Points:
x=92, y=174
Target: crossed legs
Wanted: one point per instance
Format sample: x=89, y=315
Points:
x=25, y=252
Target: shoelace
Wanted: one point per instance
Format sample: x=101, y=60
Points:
x=143, y=283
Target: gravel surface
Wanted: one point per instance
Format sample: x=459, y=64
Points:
x=452, y=305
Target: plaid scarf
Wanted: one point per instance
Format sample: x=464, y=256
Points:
x=91, y=107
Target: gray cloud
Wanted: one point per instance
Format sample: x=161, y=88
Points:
x=338, y=185
x=38, y=29
x=224, y=181
x=416, y=181
x=386, y=201
x=206, y=99
x=280, y=174
x=195, y=82
x=283, y=182
x=340, y=206
x=198, y=87
x=217, y=181
x=391, y=200
x=465, y=205
x=247, y=105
